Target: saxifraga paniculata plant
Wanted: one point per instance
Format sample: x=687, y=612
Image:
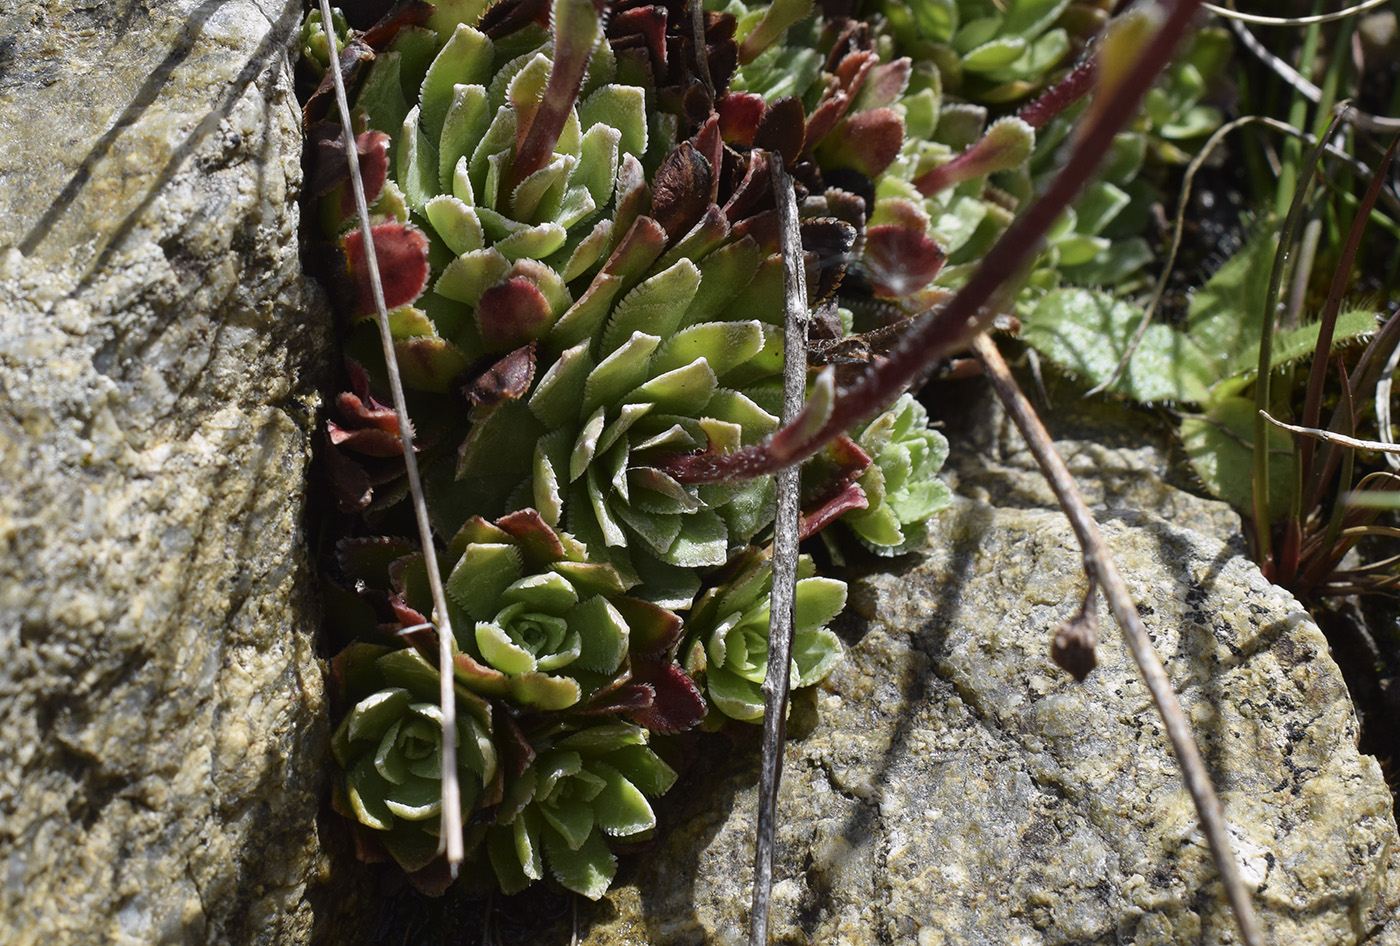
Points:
x=578, y=233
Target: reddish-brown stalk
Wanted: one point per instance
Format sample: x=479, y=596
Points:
x=577, y=25
x=947, y=330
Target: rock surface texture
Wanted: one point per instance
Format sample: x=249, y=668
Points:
x=957, y=788
x=162, y=724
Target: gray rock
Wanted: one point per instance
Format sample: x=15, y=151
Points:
x=957, y=788
x=162, y=715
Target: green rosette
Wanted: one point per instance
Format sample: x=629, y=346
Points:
x=388, y=752
x=538, y=622
x=726, y=642
x=580, y=791
x=901, y=484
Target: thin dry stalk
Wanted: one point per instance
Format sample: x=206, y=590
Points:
x=783, y=599
x=1383, y=404
x=1100, y=570
x=451, y=792
x=1231, y=13
x=1328, y=437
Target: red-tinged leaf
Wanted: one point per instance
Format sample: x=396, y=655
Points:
x=402, y=253
x=653, y=630
x=762, y=228
x=825, y=116
x=401, y=14
x=1006, y=144
x=506, y=380
x=355, y=412
x=754, y=191
x=532, y=534
x=900, y=261
x=843, y=205
x=866, y=142
x=575, y=26
x=430, y=364
x=826, y=246
x=852, y=497
x=370, y=441
x=372, y=151
x=329, y=169
x=902, y=212
x=477, y=676
x=678, y=704
x=326, y=147
x=353, y=58
x=633, y=196
x=368, y=559
x=886, y=83
x=513, y=313
x=434, y=879
x=848, y=459
x=647, y=24
x=1061, y=95
x=405, y=615
x=739, y=117
x=621, y=700
x=509, y=16
x=514, y=747
x=681, y=188
x=854, y=67
x=710, y=144
x=350, y=484
x=783, y=129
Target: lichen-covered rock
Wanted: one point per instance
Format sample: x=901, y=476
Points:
x=162, y=719
x=959, y=788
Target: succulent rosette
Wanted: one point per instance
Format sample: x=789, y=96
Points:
x=549, y=629
x=388, y=749
x=993, y=52
x=677, y=390
x=581, y=791
x=901, y=485
x=726, y=636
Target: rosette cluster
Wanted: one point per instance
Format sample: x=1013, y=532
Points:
x=901, y=485
x=574, y=213
x=388, y=747
x=582, y=788
x=727, y=636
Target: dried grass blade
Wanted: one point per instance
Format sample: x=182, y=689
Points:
x=451, y=791
x=783, y=600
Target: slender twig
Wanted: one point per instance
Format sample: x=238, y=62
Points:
x=1329, y=437
x=1232, y=14
x=783, y=598
x=451, y=792
x=702, y=57
x=1383, y=403
x=1100, y=570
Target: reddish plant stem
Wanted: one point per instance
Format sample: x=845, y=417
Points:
x=574, y=34
x=1061, y=95
x=943, y=332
